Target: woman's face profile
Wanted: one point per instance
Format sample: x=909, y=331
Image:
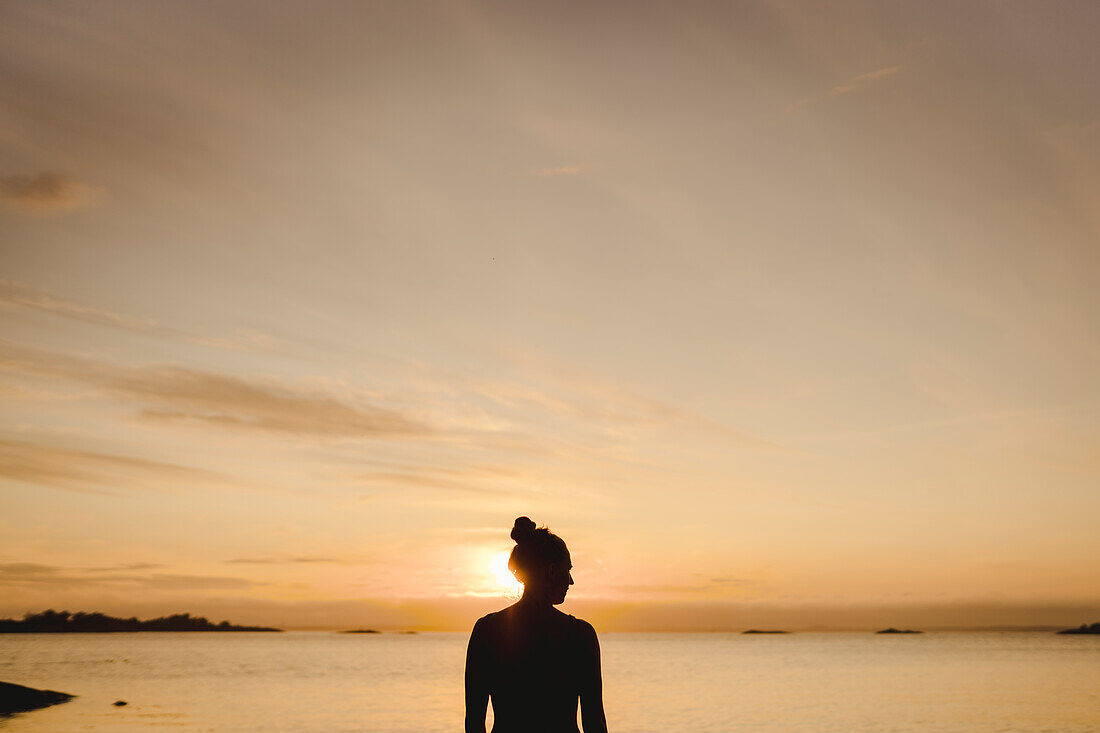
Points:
x=560, y=578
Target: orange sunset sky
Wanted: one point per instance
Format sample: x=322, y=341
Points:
x=779, y=313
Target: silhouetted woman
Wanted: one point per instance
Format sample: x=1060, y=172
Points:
x=533, y=660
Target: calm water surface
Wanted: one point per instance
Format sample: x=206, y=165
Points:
x=316, y=681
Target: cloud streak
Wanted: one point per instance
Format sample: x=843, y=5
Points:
x=280, y=561
x=609, y=405
x=26, y=574
x=178, y=394
x=561, y=170
x=89, y=472
x=847, y=87
x=48, y=194
x=472, y=479
x=18, y=295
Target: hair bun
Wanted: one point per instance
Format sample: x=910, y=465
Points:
x=522, y=530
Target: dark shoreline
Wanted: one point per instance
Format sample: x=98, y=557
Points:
x=64, y=622
x=20, y=699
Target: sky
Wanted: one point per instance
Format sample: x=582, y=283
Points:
x=774, y=311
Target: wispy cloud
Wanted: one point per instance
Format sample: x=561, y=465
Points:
x=609, y=405
x=27, y=574
x=472, y=479
x=561, y=170
x=877, y=74
x=993, y=416
x=176, y=393
x=18, y=295
x=712, y=588
x=126, y=566
x=15, y=294
x=172, y=393
x=89, y=472
x=849, y=86
x=26, y=570
x=280, y=560
x=48, y=194
x=727, y=581
x=167, y=581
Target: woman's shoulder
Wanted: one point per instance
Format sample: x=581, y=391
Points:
x=579, y=625
x=489, y=620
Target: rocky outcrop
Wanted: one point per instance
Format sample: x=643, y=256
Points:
x=17, y=698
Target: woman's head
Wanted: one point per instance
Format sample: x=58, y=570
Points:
x=540, y=560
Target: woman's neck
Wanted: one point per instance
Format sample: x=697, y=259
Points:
x=535, y=599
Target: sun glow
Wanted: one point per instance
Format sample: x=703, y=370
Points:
x=498, y=566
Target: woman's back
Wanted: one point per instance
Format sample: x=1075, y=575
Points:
x=532, y=660
x=535, y=662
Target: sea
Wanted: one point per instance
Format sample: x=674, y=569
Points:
x=412, y=683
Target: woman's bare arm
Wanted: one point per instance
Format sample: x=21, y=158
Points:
x=477, y=688
x=593, y=719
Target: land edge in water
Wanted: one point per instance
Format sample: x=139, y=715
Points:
x=1083, y=629
x=64, y=622
x=19, y=699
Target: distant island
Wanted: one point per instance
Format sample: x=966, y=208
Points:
x=1083, y=629
x=762, y=631
x=17, y=698
x=892, y=630
x=361, y=631
x=51, y=621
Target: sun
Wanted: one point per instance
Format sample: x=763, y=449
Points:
x=498, y=566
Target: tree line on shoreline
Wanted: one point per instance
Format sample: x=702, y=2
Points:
x=52, y=621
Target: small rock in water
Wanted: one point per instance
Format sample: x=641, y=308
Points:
x=119, y=703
